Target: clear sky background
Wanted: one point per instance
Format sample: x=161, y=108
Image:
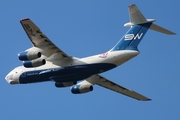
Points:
x=86, y=27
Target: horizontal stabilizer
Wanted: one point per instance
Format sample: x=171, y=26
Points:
x=137, y=18
x=161, y=29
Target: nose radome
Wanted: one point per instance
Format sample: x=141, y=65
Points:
x=11, y=79
x=6, y=78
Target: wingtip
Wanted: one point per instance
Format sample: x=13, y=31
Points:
x=146, y=99
x=132, y=5
x=173, y=33
x=24, y=19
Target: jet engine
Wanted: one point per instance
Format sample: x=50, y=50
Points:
x=29, y=55
x=81, y=88
x=34, y=63
x=64, y=84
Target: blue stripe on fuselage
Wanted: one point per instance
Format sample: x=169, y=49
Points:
x=65, y=74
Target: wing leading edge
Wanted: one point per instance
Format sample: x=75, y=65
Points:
x=39, y=40
x=103, y=82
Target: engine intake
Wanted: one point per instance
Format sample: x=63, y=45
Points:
x=34, y=63
x=84, y=88
x=29, y=55
x=64, y=84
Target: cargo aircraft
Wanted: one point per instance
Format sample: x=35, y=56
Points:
x=44, y=61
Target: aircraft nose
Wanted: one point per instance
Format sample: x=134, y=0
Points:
x=11, y=80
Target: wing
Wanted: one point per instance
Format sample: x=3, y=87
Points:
x=39, y=40
x=101, y=81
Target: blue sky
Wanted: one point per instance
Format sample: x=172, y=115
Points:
x=87, y=27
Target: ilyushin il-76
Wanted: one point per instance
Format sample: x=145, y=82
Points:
x=44, y=61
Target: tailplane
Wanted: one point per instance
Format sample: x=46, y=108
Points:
x=139, y=26
x=136, y=17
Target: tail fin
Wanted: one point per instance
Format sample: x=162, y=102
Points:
x=139, y=26
x=136, y=17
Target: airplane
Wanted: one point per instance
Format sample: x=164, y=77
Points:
x=44, y=61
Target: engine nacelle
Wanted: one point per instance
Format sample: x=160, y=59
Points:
x=34, y=63
x=81, y=88
x=29, y=55
x=64, y=84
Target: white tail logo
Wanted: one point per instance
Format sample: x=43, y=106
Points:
x=133, y=37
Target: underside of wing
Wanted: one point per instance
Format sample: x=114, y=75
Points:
x=101, y=81
x=39, y=40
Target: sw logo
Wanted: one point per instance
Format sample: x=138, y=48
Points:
x=133, y=37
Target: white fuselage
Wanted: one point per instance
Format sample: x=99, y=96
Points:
x=116, y=57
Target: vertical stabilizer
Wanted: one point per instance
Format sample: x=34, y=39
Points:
x=139, y=25
x=136, y=17
x=132, y=38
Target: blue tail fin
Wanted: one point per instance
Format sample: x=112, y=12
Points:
x=132, y=38
x=139, y=26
